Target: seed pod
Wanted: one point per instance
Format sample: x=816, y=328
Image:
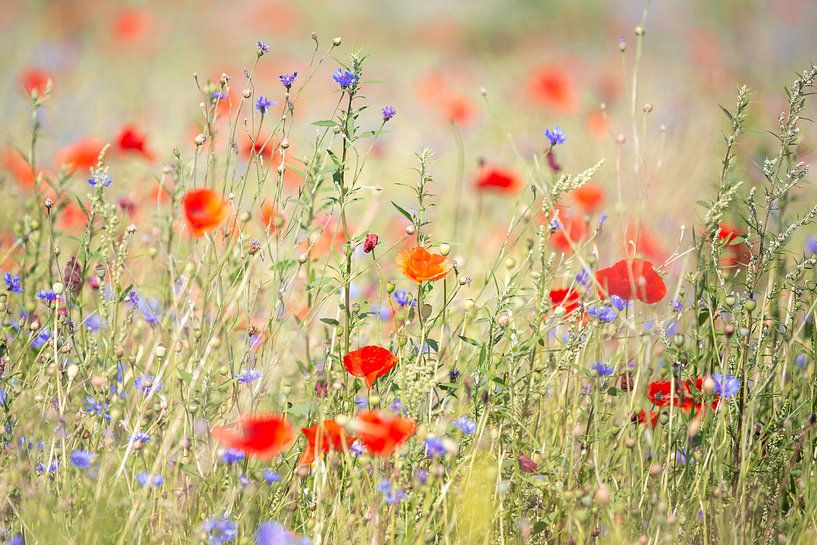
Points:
x=73, y=276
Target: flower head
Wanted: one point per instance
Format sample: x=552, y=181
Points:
x=434, y=447
x=287, y=80
x=632, y=279
x=345, y=78
x=263, y=436
x=100, y=178
x=246, y=376
x=498, y=179
x=602, y=369
x=369, y=362
x=263, y=104
x=220, y=530
x=204, y=210
x=147, y=384
x=323, y=437
x=382, y=433
x=465, y=425
x=419, y=265
x=81, y=459
x=555, y=136
x=388, y=113
x=263, y=47
x=13, y=283
x=391, y=494
x=370, y=242
x=726, y=385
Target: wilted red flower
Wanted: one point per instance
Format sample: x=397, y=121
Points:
x=262, y=436
x=526, y=464
x=552, y=87
x=81, y=155
x=643, y=417
x=323, y=437
x=381, y=433
x=589, y=197
x=421, y=266
x=497, y=179
x=204, y=210
x=370, y=242
x=632, y=279
x=369, y=363
x=34, y=79
x=131, y=139
x=568, y=298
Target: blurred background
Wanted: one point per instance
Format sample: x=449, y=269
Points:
x=493, y=73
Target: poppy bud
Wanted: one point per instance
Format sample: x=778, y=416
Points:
x=390, y=287
x=709, y=385
x=246, y=93
x=200, y=139
x=337, y=41
x=370, y=242
x=527, y=465
x=410, y=230
x=445, y=249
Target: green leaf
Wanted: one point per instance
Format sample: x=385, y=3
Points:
x=403, y=211
x=468, y=340
x=330, y=321
x=325, y=123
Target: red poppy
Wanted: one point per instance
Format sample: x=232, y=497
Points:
x=632, y=279
x=262, y=436
x=459, y=110
x=687, y=396
x=552, y=87
x=498, y=179
x=72, y=218
x=659, y=393
x=369, y=363
x=598, y=125
x=17, y=165
x=81, y=155
x=268, y=216
x=643, y=417
x=34, y=79
x=568, y=298
x=132, y=25
x=381, y=433
x=728, y=232
x=204, y=210
x=323, y=437
x=588, y=197
x=640, y=242
x=571, y=231
x=264, y=147
x=131, y=139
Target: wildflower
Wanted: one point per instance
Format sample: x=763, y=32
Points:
x=96, y=408
x=602, y=219
x=658, y=392
x=263, y=104
x=567, y=298
x=150, y=310
x=218, y=96
x=361, y=402
x=80, y=156
x=144, y=479
x=454, y=375
x=204, y=210
x=220, y=530
x=726, y=385
x=434, y=447
x=643, y=417
x=392, y=495
x=288, y=79
x=567, y=232
x=47, y=296
x=357, y=449
x=231, y=456
x=551, y=86
x=602, y=369
x=247, y=376
x=604, y=314
x=555, y=136
x=13, y=283
x=388, y=113
x=264, y=436
x=323, y=437
x=554, y=224
x=35, y=80
x=43, y=336
x=370, y=242
x=40, y=469
x=273, y=533
x=632, y=279
x=618, y=303
x=589, y=197
x=811, y=245
x=100, y=178
x=271, y=476
x=148, y=383
x=418, y=265
x=131, y=139
x=94, y=322
x=526, y=464
x=404, y=298
x=498, y=179
x=465, y=425
x=381, y=433
x=369, y=362
x=345, y=78
x=140, y=437
x=583, y=277
x=81, y=459
x=263, y=47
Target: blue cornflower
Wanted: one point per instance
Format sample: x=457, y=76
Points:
x=14, y=283
x=396, y=406
x=100, y=178
x=389, y=112
x=602, y=369
x=271, y=476
x=263, y=47
x=583, y=277
x=16, y=539
x=42, y=337
x=97, y=408
x=618, y=302
x=2, y=396
x=246, y=376
x=345, y=78
x=554, y=225
x=148, y=383
x=144, y=479
x=404, y=298
x=357, y=448
x=434, y=447
x=272, y=533
x=800, y=360
x=217, y=96
x=81, y=459
x=421, y=476
x=150, y=309
x=391, y=494
x=726, y=385
x=51, y=469
x=382, y=312
x=811, y=245
x=132, y=298
x=140, y=436
x=361, y=403
x=604, y=314
x=677, y=305
x=454, y=375
x=46, y=295
x=94, y=323
x=465, y=425
x=220, y=530
x=231, y=456
x=602, y=219
x=555, y=136
x=288, y=79
x=263, y=104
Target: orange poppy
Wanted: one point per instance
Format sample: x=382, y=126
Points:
x=131, y=139
x=204, y=210
x=598, y=125
x=262, y=436
x=81, y=155
x=552, y=87
x=17, y=165
x=34, y=79
x=381, y=433
x=632, y=279
x=588, y=197
x=369, y=363
x=498, y=179
x=268, y=216
x=323, y=437
x=419, y=265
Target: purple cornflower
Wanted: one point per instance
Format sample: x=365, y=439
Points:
x=434, y=447
x=404, y=298
x=217, y=96
x=94, y=323
x=602, y=369
x=263, y=47
x=554, y=225
x=583, y=277
x=144, y=479
x=148, y=383
x=271, y=476
x=140, y=436
x=81, y=459
x=726, y=385
x=619, y=303
x=100, y=178
x=345, y=78
x=132, y=298
x=288, y=79
x=677, y=305
x=389, y=112
x=421, y=476
x=14, y=283
x=150, y=309
x=97, y=408
x=263, y=104
x=357, y=448
x=604, y=314
x=51, y=469
x=391, y=494
x=555, y=136
x=42, y=337
x=46, y=295
x=602, y=219
x=220, y=530
x=246, y=376
x=361, y=403
x=465, y=425
x=811, y=245
x=231, y=456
